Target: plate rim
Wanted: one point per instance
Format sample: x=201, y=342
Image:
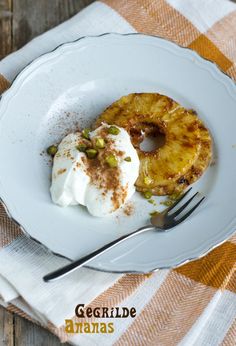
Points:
x=26, y=233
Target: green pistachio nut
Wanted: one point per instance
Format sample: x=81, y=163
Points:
x=81, y=147
x=100, y=143
x=111, y=160
x=147, y=194
x=52, y=150
x=86, y=133
x=91, y=153
x=113, y=130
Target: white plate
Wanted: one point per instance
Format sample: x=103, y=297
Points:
x=72, y=85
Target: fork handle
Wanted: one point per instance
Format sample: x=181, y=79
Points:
x=59, y=273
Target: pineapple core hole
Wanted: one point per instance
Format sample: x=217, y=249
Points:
x=152, y=142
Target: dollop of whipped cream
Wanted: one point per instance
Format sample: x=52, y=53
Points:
x=104, y=182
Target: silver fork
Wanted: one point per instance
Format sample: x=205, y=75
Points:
x=161, y=222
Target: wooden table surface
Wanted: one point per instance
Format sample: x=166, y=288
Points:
x=20, y=21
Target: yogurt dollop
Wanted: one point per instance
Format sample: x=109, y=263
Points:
x=103, y=183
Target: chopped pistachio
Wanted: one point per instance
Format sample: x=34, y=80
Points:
x=81, y=147
x=175, y=196
x=113, y=130
x=128, y=159
x=167, y=203
x=147, y=180
x=154, y=213
x=147, y=194
x=111, y=160
x=100, y=143
x=152, y=201
x=86, y=133
x=91, y=153
x=52, y=150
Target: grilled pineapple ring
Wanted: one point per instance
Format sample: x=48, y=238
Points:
x=186, y=152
